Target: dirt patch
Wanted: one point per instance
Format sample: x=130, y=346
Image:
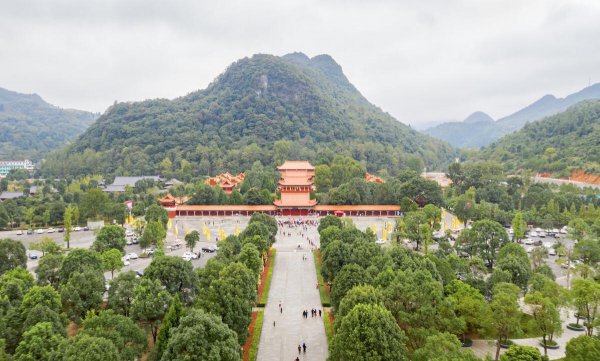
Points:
x=248, y=344
x=72, y=329
x=580, y=176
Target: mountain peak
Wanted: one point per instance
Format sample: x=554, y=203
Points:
x=478, y=117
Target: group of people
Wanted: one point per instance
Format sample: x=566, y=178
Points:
x=313, y=313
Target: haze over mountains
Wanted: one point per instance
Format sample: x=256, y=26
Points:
x=30, y=127
x=474, y=134
x=263, y=108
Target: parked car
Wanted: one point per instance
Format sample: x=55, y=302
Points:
x=61, y=230
x=86, y=228
x=551, y=251
x=125, y=257
x=126, y=263
x=33, y=255
x=129, y=233
x=20, y=232
x=133, y=255
x=542, y=234
x=129, y=242
x=77, y=229
x=380, y=241
x=139, y=274
x=528, y=241
x=135, y=240
x=210, y=249
x=39, y=231
x=51, y=230
x=189, y=256
x=30, y=231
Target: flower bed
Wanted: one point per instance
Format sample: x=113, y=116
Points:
x=575, y=327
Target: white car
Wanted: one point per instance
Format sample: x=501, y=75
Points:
x=380, y=241
x=51, y=230
x=188, y=256
x=129, y=242
x=39, y=231
x=125, y=258
x=77, y=229
x=133, y=255
x=528, y=241
x=20, y=232
x=129, y=233
x=533, y=234
x=552, y=252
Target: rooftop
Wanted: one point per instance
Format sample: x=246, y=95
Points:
x=296, y=165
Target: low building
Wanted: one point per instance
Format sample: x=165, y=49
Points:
x=10, y=195
x=226, y=181
x=7, y=165
x=121, y=183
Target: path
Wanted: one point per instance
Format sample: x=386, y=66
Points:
x=293, y=284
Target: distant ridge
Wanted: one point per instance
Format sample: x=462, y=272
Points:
x=478, y=134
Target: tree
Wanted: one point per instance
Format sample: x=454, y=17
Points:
x=538, y=255
x=154, y=233
x=583, y=348
x=250, y=257
x=112, y=261
x=79, y=260
x=349, y=276
x=40, y=295
x=260, y=243
x=585, y=294
x=334, y=257
x=412, y=226
x=46, y=246
x=519, y=226
x=150, y=304
x=175, y=274
x=122, y=292
x=39, y=343
x=268, y=221
x=82, y=292
x=323, y=178
x=489, y=237
x=506, y=314
x=361, y=294
x=125, y=335
x=588, y=251
x=41, y=313
x=469, y=305
x=68, y=225
x=203, y=335
x=443, y=347
x=545, y=316
x=48, y=270
x=191, y=239
x=88, y=348
x=157, y=213
x=257, y=229
x=368, y=332
x=434, y=216
x=513, y=258
x=231, y=296
x=14, y=284
x=329, y=234
x=94, y=202
x=170, y=322
x=12, y=254
x=328, y=221
x=521, y=353
x=109, y=237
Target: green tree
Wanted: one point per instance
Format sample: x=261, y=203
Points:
x=361, y=294
x=88, y=348
x=519, y=226
x=521, y=353
x=203, y=335
x=12, y=254
x=39, y=343
x=68, y=225
x=323, y=178
x=250, y=257
x=122, y=292
x=41, y=313
x=588, y=251
x=583, y=348
x=585, y=294
x=150, y=304
x=48, y=270
x=94, y=203
x=489, y=237
x=328, y=235
x=349, y=276
x=125, y=335
x=513, y=258
x=469, y=305
x=334, y=257
x=46, y=245
x=40, y=295
x=112, y=261
x=82, y=292
x=191, y=239
x=79, y=260
x=412, y=227
x=506, y=315
x=170, y=322
x=175, y=274
x=110, y=237
x=368, y=332
x=157, y=213
x=546, y=317
x=154, y=233
x=443, y=347
x=328, y=221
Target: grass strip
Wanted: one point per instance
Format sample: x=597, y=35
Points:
x=264, y=296
x=256, y=336
x=323, y=289
x=328, y=320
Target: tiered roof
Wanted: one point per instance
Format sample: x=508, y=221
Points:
x=226, y=180
x=370, y=178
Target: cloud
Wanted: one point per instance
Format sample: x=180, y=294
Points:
x=420, y=61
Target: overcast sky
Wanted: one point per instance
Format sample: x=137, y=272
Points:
x=421, y=61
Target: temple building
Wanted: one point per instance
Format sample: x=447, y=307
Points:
x=226, y=181
x=370, y=178
x=295, y=187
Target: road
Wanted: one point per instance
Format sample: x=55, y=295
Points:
x=564, y=181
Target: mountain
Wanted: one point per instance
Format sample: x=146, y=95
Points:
x=478, y=117
x=469, y=135
x=264, y=108
x=559, y=144
x=30, y=127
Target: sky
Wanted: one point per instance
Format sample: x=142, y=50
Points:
x=421, y=61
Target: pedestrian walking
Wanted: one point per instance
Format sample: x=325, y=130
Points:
x=303, y=347
x=319, y=313
x=299, y=349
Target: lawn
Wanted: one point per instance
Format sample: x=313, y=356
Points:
x=263, y=292
x=323, y=289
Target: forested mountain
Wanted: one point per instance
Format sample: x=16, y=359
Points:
x=557, y=144
x=468, y=135
x=265, y=108
x=30, y=127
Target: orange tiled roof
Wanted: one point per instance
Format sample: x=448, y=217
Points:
x=225, y=180
x=375, y=207
x=227, y=208
x=295, y=164
x=169, y=198
x=373, y=178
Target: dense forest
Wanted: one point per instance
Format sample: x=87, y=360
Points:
x=264, y=108
x=31, y=127
x=557, y=144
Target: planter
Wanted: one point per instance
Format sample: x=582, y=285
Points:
x=506, y=344
x=552, y=345
x=467, y=343
x=575, y=327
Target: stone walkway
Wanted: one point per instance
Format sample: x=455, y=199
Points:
x=294, y=287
